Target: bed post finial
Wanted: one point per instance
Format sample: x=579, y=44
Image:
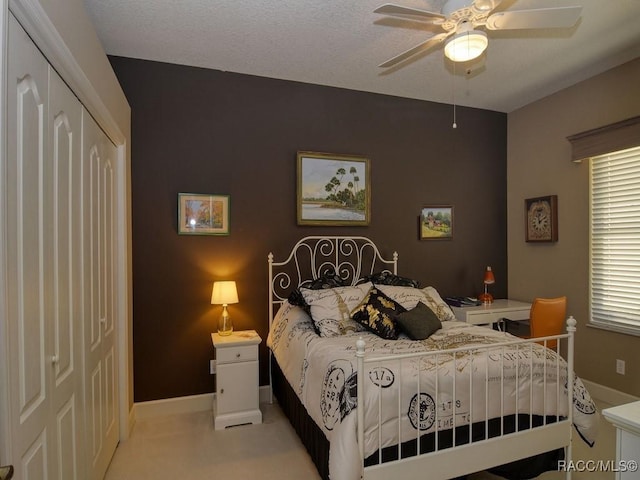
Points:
x=270, y=257
x=571, y=330
x=360, y=393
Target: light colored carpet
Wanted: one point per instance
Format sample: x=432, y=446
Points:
x=186, y=446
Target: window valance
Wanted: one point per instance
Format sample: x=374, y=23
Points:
x=610, y=138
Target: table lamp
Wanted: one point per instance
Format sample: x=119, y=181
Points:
x=223, y=294
x=489, y=279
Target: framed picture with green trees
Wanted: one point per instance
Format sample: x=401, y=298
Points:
x=436, y=222
x=333, y=189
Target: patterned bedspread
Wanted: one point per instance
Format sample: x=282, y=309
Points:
x=322, y=371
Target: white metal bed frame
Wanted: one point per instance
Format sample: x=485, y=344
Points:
x=311, y=257
x=481, y=454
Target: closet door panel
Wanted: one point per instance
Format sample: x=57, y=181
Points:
x=66, y=134
x=68, y=453
x=100, y=332
x=30, y=261
x=30, y=368
x=92, y=155
x=108, y=292
x=34, y=463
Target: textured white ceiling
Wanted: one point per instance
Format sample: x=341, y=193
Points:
x=340, y=43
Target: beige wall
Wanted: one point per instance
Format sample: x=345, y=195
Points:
x=538, y=163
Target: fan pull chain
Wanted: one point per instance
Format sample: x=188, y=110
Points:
x=453, y=88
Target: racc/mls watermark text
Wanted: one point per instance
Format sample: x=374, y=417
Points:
x=598, y=465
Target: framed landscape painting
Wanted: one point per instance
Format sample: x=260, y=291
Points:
x=436, y=222
x=202, y=214
x=333, y=189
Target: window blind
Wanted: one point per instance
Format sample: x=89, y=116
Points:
x=615, y=241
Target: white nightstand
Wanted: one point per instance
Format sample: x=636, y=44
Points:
x=237, y=379
x=494, y=312
x=626, y=419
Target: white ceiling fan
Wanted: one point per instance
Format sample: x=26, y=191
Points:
x=462, y=21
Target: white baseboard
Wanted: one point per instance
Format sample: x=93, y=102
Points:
x=172, y=406
x=607, y=394
x=189, y=404
x=132, y=419
x=265, y=393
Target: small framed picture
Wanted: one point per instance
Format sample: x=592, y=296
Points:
x=541, y=219
x=203, y=214
x=436, y=222
x=333, y=189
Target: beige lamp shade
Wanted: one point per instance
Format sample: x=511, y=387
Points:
x=224, y=293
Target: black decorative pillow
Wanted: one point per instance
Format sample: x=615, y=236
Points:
x=409, y=297
x=419, y=323
x=296, y=298
x=377, y=312
x=388, y=278
x=328, y=279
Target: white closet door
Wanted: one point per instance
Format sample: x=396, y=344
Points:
x=27, y=298
x=47, y=257
x=63, y=241
x=99, y=339
x=44, y=287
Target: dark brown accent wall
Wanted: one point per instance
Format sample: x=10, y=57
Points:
x=205, y=131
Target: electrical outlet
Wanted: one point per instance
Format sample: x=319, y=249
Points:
x=620, y=366
x=212, y=367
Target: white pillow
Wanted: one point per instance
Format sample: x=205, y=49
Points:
x=409, y=297
x=330, y=308
x=288, y=318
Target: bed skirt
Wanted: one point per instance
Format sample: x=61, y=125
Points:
x=317, y=444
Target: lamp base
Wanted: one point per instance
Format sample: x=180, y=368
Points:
x=486, y=298
x=225, y=327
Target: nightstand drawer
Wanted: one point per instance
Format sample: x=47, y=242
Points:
x=237, y=354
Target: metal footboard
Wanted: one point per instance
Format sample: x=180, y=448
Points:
x=535, y=431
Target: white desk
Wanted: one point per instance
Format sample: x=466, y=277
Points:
x=494, y=312
x=626, y=419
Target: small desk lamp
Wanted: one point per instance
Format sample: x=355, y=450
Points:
x=489, y=279
x=223, y=294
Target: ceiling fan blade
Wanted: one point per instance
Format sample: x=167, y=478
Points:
x=399, y=10
x=554, y=17
x=421, y=47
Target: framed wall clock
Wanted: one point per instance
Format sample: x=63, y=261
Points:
x=541, y=219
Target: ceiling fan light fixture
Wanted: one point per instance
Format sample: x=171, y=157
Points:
x=485, y=5
x=466, y=46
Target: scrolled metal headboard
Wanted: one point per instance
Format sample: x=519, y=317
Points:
x=353, y=258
